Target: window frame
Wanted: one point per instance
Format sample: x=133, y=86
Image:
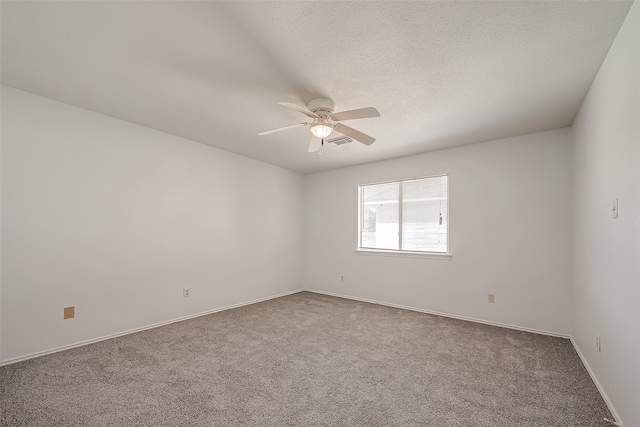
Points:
x=400, y=252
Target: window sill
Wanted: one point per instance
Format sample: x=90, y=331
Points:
x=379, y=252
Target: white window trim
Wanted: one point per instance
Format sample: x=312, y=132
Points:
x=400, y=253
x=410, y=254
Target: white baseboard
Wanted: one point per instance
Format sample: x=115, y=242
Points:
x=143, y=328
x=438, y=313
x=606, y=399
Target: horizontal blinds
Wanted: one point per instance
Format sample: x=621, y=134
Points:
x=424, y=202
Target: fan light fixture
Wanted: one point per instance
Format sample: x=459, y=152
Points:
x=321, y=110
x=321, y=129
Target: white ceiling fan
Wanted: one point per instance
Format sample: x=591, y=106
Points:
x=321, y=110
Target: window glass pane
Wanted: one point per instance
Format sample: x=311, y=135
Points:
x=380, y=216
x=424, y=202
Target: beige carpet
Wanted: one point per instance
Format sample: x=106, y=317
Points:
x=308, y=360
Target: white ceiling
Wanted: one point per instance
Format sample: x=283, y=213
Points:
x=441, y=74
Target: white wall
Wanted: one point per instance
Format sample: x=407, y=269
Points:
x=116, y=219
x=510, y=232
x=607, y=251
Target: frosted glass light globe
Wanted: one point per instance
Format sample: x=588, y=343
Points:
x=321, y=130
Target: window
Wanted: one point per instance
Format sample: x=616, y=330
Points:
x=405, y=216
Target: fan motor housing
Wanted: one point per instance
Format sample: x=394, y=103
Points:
x=322, y=106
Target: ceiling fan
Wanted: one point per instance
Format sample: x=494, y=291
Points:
x=321, y=111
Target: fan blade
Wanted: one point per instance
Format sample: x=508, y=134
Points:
x=360, y=113
x=355, y=134
x=315, y=144
x=267, y=132
x=299, y=109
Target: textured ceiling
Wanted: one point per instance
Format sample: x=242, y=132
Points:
x=441, y=74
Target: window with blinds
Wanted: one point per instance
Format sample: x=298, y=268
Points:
x=410, y=215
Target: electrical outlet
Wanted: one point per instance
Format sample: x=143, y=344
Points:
x=342, y=278
x=69, y=312
x=186, y=292
x=598, y=343
x=492, y=298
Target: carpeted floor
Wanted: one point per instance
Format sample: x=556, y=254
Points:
x=308, y=360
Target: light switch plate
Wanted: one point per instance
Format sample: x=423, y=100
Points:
x=615, y=208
